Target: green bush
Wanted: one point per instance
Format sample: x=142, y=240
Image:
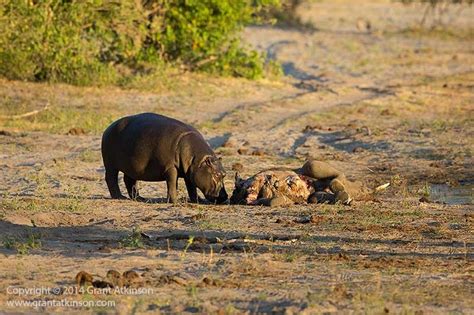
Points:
x=68, y=41
x=286, y=15
x=438, y=2
x=437, y=9
x=104, y=41
x=202, y=34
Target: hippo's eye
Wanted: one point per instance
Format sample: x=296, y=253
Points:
x=219, y=175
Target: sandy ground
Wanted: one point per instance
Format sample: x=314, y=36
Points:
x=390, y=104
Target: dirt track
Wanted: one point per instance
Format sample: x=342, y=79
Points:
x=387, y=105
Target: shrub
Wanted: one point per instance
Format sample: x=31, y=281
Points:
x=438, y=2
x=437, y=9
x=286, y=15
x=68, y=41
x=203, y=35
x=101, y=41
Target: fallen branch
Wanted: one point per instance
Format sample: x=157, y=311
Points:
x=28, y=114
x=231, y=237
x=381, y=187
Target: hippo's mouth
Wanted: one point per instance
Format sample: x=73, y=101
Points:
x=219, y=198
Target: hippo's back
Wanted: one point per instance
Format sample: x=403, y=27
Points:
x=143, y=146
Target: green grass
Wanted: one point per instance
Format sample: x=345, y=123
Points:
x=23, y=245
x=289, y=256
x=133, y=240
x=61, y=120
x=439, y=33
x=209, y=224
x=90, y=156
x=9, y=242
x=36, y=205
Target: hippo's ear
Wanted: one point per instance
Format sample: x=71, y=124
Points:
x=206, y=161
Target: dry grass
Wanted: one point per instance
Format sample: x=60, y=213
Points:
x=389, y=106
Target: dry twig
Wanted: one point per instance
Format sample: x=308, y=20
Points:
x=28, y=114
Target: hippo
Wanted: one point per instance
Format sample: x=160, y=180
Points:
x=315, y=182
x=152, y=147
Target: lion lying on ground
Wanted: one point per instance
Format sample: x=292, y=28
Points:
x=315, y=182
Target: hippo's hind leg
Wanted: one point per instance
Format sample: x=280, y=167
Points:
x=132, y=188
x=111, y=178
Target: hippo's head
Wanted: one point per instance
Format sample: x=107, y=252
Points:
x=209, y=178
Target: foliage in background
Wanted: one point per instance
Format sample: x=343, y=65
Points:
x=74, y=42
x=106, y=41
x=203, y=35
x=286, y=15
x=437, y=10
x=438, y=2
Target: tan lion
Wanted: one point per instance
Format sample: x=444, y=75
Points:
x=315, y=182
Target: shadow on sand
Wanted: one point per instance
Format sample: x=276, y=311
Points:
x=88, y=240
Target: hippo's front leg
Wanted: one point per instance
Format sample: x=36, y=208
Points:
x=192, y=190
x=172, y=185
